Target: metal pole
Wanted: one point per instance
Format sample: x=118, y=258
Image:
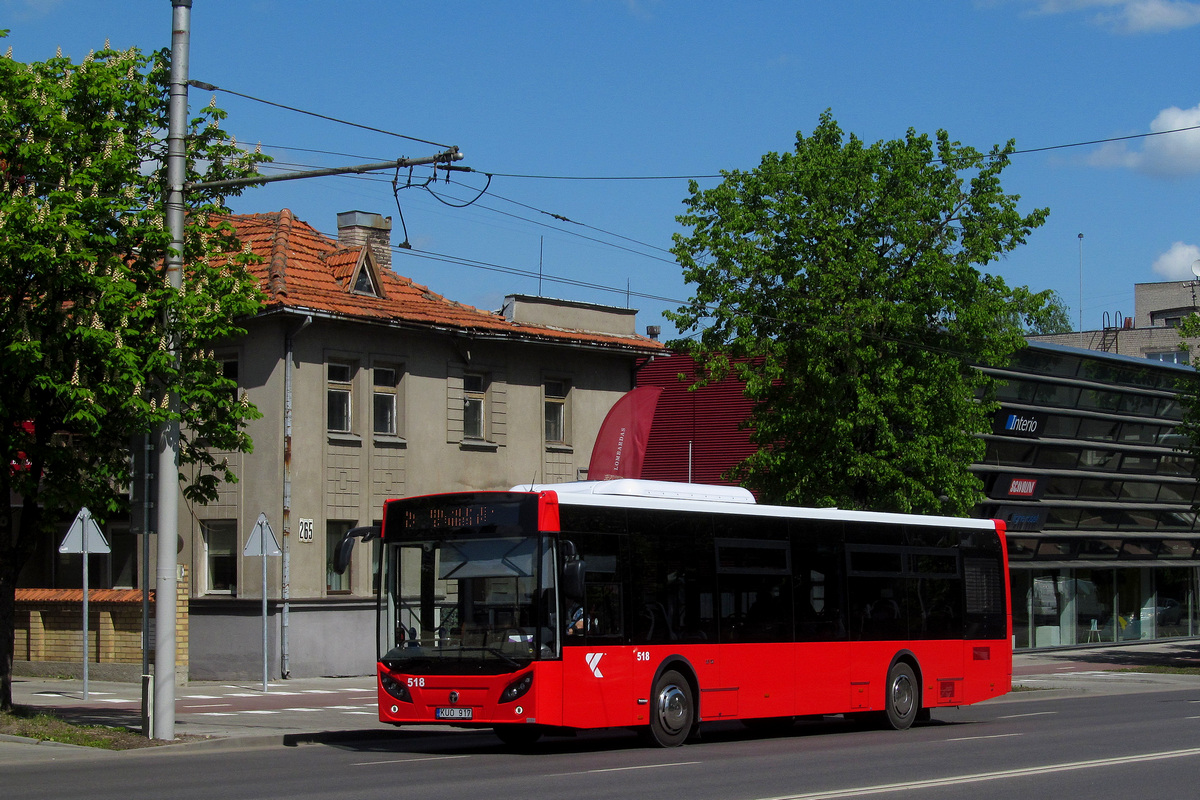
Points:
x=1081, y=342
x=84, y=555
x=166, y=582
x=262, y=549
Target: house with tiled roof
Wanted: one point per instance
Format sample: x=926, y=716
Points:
x=372, y=386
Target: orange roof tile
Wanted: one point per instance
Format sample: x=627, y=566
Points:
x=76, y=595
x=306, y=271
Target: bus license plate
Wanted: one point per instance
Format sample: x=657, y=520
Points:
x=453, y=713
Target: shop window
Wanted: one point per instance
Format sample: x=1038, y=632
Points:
x=1175, y=492
x=1102, y=430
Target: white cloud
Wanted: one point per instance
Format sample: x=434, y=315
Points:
x=1176, y=263
x=1167, y=155
x=1131, y=16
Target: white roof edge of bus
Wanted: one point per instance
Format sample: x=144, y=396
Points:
x=629, y=487
x=693, y=496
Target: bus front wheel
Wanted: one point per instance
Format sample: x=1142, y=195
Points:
x=672, y=710
x=903, y=700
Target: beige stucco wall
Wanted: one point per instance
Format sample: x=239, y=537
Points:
x=348, y=477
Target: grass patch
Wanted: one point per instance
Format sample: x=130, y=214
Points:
x=1162, y=669
x=35, y=724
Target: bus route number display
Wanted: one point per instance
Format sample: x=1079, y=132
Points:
x=473, y=517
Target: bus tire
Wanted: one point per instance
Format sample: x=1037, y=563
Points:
x=672, y=710
x=518, y=736
x=902, y=698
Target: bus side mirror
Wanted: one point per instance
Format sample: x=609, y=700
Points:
x=573, y=572
x=341, y=555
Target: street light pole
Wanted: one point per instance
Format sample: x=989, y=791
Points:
x=166, y=581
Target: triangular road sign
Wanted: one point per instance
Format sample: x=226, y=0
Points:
x=262, y=540
x=84, y=536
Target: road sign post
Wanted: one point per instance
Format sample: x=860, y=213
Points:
x=262, y=543
x=84, y=537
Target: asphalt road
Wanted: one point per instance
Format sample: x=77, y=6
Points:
x=1140, y=743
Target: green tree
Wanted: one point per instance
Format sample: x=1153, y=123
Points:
x=842, y=282
x=84, y=351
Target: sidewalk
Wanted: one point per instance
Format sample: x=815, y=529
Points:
x=308, y=710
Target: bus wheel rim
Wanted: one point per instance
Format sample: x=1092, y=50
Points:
x=902, y=695
x=672, y=708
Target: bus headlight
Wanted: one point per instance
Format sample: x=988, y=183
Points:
x=395, y=688
x=517, y=688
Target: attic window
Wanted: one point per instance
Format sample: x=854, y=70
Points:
x=364, y=283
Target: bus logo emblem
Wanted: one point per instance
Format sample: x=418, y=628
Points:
x=593, y=661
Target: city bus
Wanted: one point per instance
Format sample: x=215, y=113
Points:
x=659, y=606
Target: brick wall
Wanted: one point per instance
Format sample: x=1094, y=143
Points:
x=49, y=625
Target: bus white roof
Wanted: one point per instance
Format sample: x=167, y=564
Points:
x=628, y=487
x=631, y=493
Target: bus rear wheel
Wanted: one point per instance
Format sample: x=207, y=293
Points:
x=903, y=696
x=672, y=710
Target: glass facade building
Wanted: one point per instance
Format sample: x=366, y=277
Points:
x=1085, y=466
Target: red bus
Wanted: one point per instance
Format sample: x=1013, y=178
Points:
x=659, y=606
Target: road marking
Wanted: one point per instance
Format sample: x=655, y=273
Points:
x=317, y=691
x=303, y=709
x=644, y=766
x=980, y=777
x=404, y=761
x=993, y=736
x=624, y=769
x=260, y=712
x=202, y=697
x=211, y=705
x=1034, y=714
x=217, y=714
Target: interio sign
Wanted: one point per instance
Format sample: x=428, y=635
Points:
x=1010, y=422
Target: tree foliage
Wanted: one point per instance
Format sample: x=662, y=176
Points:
x=84, y=347
x=843, y=282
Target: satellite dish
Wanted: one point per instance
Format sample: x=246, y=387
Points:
x=1196, y=267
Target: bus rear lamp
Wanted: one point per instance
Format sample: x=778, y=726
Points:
x=395, y=688
x=517, y=688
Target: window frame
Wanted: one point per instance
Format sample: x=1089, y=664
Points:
x=475, y=398
x=344, y=390
x=335, y=530
x=390, y=392
x=558, y=404
x=225, y=526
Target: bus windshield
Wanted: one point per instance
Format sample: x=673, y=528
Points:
x=467, y=602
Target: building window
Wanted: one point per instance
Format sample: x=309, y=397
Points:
x=335, y=530
x=1171, y=356
x=556, y=411
x=220, y=555
x=386, y=401
x=339, y=397
x=474, y=399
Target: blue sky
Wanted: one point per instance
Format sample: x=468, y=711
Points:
x=643, y=88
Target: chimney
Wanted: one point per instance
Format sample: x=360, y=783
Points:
x=356, y=228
